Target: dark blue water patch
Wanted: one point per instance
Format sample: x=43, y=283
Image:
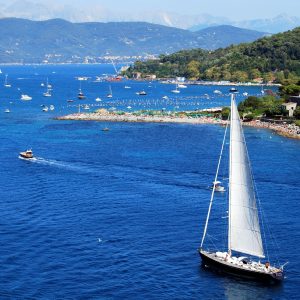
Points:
x=120, y=214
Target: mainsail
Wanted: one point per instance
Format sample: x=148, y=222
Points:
x=244, y=230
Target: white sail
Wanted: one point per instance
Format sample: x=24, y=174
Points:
x=244, y=230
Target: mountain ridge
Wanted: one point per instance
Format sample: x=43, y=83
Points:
x=58, y=40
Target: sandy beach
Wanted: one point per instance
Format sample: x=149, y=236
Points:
x=287, y=130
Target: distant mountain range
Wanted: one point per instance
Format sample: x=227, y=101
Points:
x=280, y=23
x=62, y=41
x=94, y=11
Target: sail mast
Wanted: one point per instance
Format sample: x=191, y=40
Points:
x=243, y=223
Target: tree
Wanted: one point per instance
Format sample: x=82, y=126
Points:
x=192, y=71
x=225, y=113
x=297, y=113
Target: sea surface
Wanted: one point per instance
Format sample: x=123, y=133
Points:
x=120, y=214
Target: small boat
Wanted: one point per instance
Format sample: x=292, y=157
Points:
x=217, y=92
x=25, y=97
x=98, y=99
x=129, y=107
x=233, y=90
x=51, y=107
x=7, y=110
x=6, y=84
x=82, y=78
x=181, y=86
x=244, y=235
x=127, y=87
x=70, y=100
x=141, y=93
x=80, y=95
x=176, y=91
x=45, y=108
x=86, y=107
x=48, y=91
x=110, y=94
x=26, y=154
x=165, y=97
x=105, y=129
x=245, y=94
x=218, y=187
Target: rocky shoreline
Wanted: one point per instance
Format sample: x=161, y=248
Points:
x=287, y=130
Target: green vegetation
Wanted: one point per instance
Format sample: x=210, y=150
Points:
x=254, y=107
x=275, y=58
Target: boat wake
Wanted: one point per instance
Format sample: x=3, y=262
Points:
x=61, y=164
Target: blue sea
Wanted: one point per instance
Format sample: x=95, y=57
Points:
x=120, y=214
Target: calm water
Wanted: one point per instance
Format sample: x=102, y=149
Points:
x=120, y=214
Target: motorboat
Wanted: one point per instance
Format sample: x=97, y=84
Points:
x=217, y=92
x=7, y=110
x=141, y=93
x=233, y=90
x=45, y=108
x=105, y=129
x=182, y=86
x=218, y=186
x=98, y=99
x=51, y=107
x=25, y=97
x=26, y=154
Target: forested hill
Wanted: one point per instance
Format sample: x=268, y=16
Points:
x=273, y=58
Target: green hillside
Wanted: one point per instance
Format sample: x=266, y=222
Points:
x=272, y=58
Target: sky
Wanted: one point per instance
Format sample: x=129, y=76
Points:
x=232, y=9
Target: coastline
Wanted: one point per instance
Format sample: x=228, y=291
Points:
x=286, y=130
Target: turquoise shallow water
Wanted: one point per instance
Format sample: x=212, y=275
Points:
x=119, y=214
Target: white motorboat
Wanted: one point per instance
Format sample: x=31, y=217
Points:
x=25, y=97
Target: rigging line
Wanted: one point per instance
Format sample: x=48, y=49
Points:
x=214, y=187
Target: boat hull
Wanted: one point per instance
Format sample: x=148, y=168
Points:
x=232, y=269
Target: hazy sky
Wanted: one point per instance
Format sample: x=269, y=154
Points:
x=232, y=9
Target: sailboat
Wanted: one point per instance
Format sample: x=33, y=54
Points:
x=176, y=91
x=244, y=234
x=80, y=94
x=109, y=95
x=6, y=84
x=48, y=91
